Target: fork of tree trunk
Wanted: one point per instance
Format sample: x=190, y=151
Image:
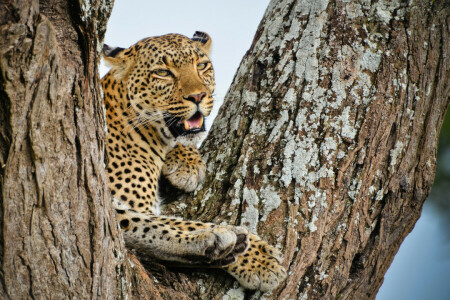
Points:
x=325, y=146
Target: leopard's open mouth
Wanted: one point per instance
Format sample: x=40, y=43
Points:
x=180, y=127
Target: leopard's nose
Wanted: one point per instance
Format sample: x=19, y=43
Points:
x=196, y=98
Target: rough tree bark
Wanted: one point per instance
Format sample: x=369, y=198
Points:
x=58, y=237
x=326, y=142
x=326, y=147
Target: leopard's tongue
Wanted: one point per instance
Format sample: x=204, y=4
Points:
x=195, y=122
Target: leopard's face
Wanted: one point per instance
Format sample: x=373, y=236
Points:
x=170, y=83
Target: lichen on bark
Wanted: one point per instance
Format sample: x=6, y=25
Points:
x=325, y=147
x=316, y=145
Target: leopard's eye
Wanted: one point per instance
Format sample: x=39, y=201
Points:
x=162, y=73
x=202, y=66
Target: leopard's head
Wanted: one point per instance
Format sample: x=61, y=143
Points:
x=169, y=82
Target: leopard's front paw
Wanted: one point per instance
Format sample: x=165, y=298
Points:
x=259, y=268
x=221, y=245
x=184, y=168
x=241, y=245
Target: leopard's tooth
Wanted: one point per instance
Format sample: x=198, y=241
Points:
x=200, y=122
x=186, y=125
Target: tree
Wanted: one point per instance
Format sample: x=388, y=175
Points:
x=325, y=146
x=59, y=238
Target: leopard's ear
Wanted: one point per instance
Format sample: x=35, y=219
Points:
x=120, y=60
x=203, y=40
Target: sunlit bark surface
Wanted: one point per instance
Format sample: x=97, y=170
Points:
x=58, y=237
x=326, y=143
x=325, y=146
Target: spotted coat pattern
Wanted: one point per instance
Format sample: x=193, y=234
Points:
x=157, y=94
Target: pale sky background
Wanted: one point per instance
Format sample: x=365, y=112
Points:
x=421, y=269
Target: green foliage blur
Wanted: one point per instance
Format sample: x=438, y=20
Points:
x=440, y=192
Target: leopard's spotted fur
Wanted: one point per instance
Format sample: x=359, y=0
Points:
x=157, y=94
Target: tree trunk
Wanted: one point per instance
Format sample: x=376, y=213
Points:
x=59, y=238
x=325, y=146
x=326, y=142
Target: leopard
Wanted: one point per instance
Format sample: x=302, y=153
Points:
x=158, y=94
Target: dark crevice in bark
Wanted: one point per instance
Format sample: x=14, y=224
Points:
x=289, y=12
x=83, y=36
x=5, y=127
x=356, y=266
x=61, y=15
x=258, y=72
x=8, y=13
x=308, y=278
x=5, y=145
